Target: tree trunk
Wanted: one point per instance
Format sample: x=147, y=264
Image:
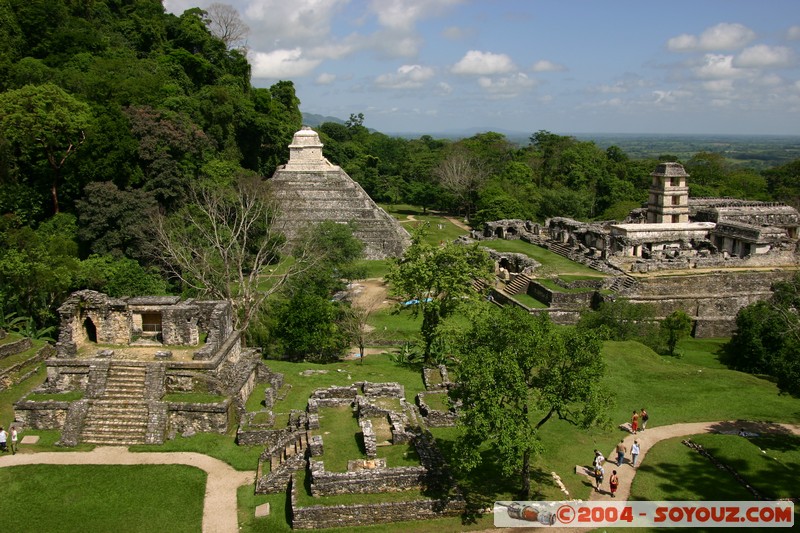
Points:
x=54, y=190
x=526, y=475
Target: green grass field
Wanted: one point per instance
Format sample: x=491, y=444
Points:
x=551, y=261
x=99, y=498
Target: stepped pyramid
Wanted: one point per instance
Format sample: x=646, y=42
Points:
x=310, y=189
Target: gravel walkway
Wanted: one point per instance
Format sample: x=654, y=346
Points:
x=219, y=508
x=655, y=434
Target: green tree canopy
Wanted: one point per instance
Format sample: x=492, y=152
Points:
x=48, y=117
x=438, y=279
x=515, y=372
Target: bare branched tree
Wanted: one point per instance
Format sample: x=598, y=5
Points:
x=225, y=23
x=355, y=323
x=463, y=175
x=227, y=244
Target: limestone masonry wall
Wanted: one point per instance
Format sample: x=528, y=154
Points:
x=322, y=516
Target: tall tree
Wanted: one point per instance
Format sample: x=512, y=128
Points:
x=515, y=372
x=222, y=243
x=767, y=337
x=438, y=279
x=674, y=327
x=225, y=24
x=462, y=174
x=47, y=116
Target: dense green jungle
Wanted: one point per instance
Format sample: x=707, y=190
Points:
x=115, y=115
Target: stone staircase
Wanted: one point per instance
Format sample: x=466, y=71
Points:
x=518, y=285
x=622, y=283
x=121, y=415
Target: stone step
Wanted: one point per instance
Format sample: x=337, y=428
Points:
x=109, y=416
x=111, y=441
x=318, y=193
x=129, y=395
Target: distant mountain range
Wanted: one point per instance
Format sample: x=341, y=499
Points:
x=312, y=120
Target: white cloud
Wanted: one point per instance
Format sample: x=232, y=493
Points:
x=404, y=14
x=723, y=36
x=444, y=88
x=507, y=87
x=547, y=66
x=669, y=97
x=718, y=86
x=716, y=67
x=406, y=77
x=325, y=79
x=793, y=33
x=483, y=63
x=298, y=22
x=763, y=56
x=281, y=64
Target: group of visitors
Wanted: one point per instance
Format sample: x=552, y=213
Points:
x=599, y=474
x=621, y=450
x=635, y=418
x=4, y=440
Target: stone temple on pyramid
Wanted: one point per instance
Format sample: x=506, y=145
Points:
x=309, y=189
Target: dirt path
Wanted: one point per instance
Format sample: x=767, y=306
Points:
x=219, y=507
x=458, y=223
x=653, y=435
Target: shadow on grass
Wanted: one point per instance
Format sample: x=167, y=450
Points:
x=485, y=484
x=754, y=462
x=750, y=427
x=693, y=475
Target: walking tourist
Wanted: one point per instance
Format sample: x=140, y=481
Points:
x=3, y=438
x=13, y=440
x=598, y=477
x=634, y=453
x=621, y=449
x=613, y=482
x=645, y=418
x=634, y=423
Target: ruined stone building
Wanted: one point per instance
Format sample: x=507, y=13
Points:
x=124, y=357
x=676, y=232
x=706, y=256
x=310, y=189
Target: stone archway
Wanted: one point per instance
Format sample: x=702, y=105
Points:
x=90, y=329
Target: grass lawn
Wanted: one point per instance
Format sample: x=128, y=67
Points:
x=374, y=368
x=402, y=325
x=702, y=352
x=769, y=462
x=555, y=287
x=553, y=261
x=98, y=498
x=673, y=471
x=530, y=301
x=222, y=447
x=439, y=227
x=374, y=268
x=341, y=437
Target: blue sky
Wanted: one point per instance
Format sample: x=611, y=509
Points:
x=567, y=66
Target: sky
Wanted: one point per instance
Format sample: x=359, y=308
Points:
x=566, y=66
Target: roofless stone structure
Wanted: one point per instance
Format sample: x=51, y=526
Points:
x=310, y=189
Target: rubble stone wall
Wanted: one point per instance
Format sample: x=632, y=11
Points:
x=322, y=516
x=200, y=417
x=364, y=481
